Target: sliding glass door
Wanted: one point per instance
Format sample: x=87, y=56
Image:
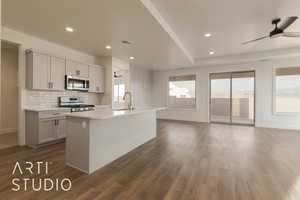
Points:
x=220, y=95
x=232, y=97
x=243, y=98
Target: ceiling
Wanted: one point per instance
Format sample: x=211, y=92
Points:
x=165, y=33
x=230, y=22
x=97, y=23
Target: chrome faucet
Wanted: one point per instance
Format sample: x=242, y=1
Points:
x=130, y=106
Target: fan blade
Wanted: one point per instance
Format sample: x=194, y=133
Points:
x=255, y=40
x=291, y=34
x=288, y=22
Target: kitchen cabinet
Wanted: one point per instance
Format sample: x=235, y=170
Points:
x=51, y=129
x=45, y=127
x=44, y=72
x=46, y=130
x=96, y=79
x=74, y=68
x=60, y=128
x=57, y=75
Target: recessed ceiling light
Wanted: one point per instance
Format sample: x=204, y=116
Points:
x=207, y=34
x=108, y=47
x=211, y=53
x=69, y=29
x=131, y=58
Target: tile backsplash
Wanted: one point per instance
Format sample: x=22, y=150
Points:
x=50, y=99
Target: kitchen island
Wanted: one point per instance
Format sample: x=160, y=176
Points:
x=96, y=138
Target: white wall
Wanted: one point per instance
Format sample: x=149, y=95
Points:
x=141, y=81
x=264, y=93
x=28, y=41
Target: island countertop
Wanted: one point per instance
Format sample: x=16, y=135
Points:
x=107, y=114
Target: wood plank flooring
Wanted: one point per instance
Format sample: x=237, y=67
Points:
x=8, y=140
x=186, y=161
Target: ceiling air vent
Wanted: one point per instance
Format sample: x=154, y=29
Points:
x=126, y=42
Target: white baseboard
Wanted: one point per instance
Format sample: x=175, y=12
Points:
x=8, y=130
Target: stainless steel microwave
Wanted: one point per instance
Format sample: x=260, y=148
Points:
x=77, y=83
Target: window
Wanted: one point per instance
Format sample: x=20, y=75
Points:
x=287, y=91
x=120, y=85
x=119, y=91
x=182, y=91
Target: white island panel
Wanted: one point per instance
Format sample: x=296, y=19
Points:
x=112, y=138
x=94, y=141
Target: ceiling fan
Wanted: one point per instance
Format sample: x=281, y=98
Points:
x=279, y=30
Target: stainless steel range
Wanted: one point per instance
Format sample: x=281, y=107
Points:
x=75, y=104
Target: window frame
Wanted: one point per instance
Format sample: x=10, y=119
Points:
x=274, y=95
x=172, y=107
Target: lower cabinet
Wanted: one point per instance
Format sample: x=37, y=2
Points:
x=46, y=131
x=60, y=128
x=51, y=129
x=44, y=127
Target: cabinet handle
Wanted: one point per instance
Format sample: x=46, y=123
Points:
x=78, y=72
x=50, y=85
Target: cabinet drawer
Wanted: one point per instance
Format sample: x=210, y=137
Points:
x=52, y=114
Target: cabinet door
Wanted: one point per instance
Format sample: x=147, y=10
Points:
x=41, y=71
x=58, y=71
x=46, y=131
x=101, y=79
x=60, y=128
x=96, y=79
x=92, y=79
x=83, y=70
x=71, y=68
x=77, y=69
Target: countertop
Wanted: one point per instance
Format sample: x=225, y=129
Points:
x=107, y=114
x=43, y=108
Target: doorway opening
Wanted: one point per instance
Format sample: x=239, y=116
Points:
x=9, y=94
x=232, y=98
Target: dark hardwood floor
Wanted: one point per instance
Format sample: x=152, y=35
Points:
x=186, y=161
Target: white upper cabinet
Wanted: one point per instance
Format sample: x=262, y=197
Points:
x=96, y=79
x=77, y=69
x=44, y=72
x=41, y=71
x=58, y=71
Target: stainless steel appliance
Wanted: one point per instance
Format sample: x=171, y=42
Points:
x=75, y=104
x=77, y=83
